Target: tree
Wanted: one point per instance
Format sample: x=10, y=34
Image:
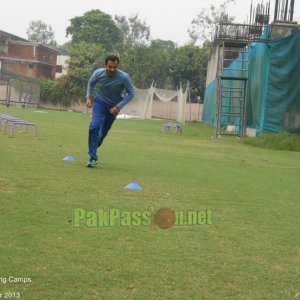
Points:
x=95, y=27
x=189, y=63
x=146, y=64
x=163, y=44
x=134, y=30
x=203, y=26
x=64, y=48
x=40, y=32
x=135, y=63
x=84, y=59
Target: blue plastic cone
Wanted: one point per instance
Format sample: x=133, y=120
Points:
x=69, y=158
x=133, y=186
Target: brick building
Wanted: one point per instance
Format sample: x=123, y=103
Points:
x=26, y=58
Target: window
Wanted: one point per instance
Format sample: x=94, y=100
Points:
x=58, y=68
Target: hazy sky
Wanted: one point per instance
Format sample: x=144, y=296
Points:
x=168, y=19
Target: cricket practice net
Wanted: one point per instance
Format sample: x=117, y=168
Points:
x=158, y=103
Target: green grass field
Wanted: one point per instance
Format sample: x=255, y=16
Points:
x=250, y=251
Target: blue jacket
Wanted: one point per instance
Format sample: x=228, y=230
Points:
x=111, y=89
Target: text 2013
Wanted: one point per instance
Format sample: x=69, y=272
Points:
x=10, y=295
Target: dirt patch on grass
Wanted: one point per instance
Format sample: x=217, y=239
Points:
x=5, y=186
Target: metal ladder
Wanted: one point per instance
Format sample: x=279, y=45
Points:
x=232, y=89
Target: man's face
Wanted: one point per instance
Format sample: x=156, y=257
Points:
x=111, y=68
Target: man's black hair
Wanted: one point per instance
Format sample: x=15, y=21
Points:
x=112, y=58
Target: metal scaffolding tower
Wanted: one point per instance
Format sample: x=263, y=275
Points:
x=232, y=89
x=231, y=43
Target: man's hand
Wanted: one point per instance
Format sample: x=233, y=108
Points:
x=114, y=110
x=89, y=103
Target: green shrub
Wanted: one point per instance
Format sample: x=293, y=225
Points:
x=276, y=141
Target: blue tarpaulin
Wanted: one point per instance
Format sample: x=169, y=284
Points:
x=273, y=103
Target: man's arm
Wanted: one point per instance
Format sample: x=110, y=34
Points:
x=129, y=88
x=115, y=110
x=89, y=102
x=90, y=88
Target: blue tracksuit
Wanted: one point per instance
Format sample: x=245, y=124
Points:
x=110, y=93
